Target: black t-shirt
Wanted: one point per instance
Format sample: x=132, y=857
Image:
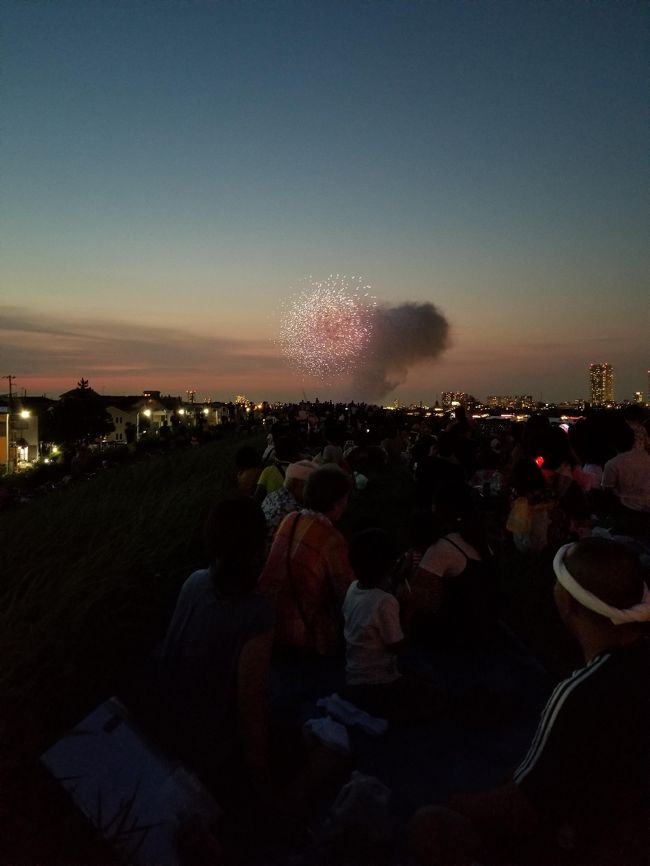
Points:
x=589, y=759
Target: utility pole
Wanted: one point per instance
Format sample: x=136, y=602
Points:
x=11, y=380
x=10, y=409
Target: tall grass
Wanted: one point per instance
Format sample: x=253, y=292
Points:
x=88, y=577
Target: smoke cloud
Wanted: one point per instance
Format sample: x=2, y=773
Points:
x=403, y=336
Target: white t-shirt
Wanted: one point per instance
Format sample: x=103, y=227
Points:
x=445, y=560
x=628, y=475
x=371, y=624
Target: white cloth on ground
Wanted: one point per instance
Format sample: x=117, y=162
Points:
x=330, y=732
x=349, y=714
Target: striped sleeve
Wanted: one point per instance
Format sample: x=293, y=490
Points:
x=558, y=734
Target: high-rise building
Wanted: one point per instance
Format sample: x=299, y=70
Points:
x=601, y=378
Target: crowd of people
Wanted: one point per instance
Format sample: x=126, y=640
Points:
x=285, y=590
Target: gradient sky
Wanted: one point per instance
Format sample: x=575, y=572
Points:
x=171, y=169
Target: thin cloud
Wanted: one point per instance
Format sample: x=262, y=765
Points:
x=104, y=347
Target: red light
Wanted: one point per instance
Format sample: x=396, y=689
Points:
x=540, y=461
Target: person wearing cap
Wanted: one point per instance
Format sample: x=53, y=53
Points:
x=288, y=498
x=584, y=779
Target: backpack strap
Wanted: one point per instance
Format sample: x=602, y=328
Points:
x=292, y=587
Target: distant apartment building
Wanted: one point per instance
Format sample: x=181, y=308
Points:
x=601, y=380
x=454, y=398
x=510, y=401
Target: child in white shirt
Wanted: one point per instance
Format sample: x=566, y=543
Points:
x=374, y=637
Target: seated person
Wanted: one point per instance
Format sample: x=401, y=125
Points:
x=421, y=535
x=439, y=469
x=568, y=513
x=249, y=466
x=288, y=498
x=374, y=637
x=395, y=444
x=271, y=478
x=488, y=479
x=586, y=771
x=452, y=590
x=528, y=517
x=307, y=572
x=217, y=649
x=636, y=416
x=626, y=480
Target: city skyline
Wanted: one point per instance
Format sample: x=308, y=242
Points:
x=601, y=387
x=174, y=171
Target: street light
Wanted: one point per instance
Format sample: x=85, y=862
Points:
x=146, y=412
x=24, y=413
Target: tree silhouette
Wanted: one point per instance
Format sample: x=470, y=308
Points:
x=79, y=416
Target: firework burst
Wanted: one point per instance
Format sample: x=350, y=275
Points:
x=326, y=326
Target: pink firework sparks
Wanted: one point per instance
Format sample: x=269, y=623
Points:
x=325, y=326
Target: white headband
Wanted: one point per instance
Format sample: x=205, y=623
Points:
x=639, y=613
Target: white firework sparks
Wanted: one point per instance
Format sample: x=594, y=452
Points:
x=326, y=326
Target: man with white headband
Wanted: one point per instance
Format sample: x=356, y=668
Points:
x=588, y=767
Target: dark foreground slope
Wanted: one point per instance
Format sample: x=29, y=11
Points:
x=89, y=576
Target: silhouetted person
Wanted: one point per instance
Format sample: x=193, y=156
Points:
x=585, y=776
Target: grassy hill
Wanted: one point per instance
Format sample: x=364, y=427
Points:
x=89, y=574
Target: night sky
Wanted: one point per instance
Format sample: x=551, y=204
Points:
x=173, y=169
